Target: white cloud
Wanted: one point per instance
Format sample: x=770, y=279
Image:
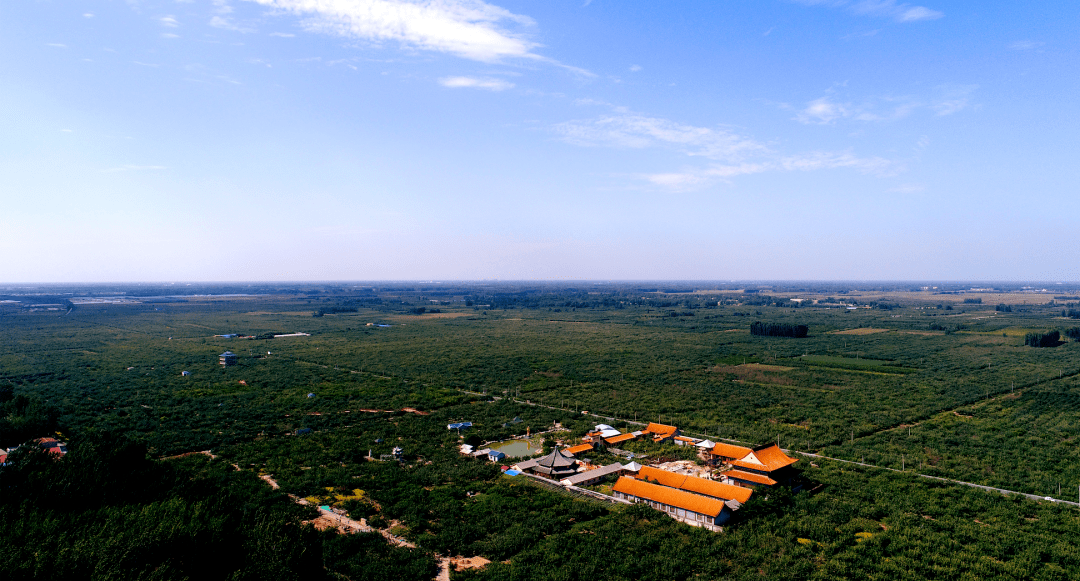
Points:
x=826, y=110
x=918, y=13
x=169, y=35
x=168, y=21
x=952, y=98
x=900, y=12
x=88, y=15
x=728, y=153
x=822, y=111
x=1025, y=45
x=635, y=68
x=470, y=82
x=56, y=45
x=133, y=168
x=814, y=161
x=630, y=130
x=471, y=29
x=283, y=34
x=227, y=24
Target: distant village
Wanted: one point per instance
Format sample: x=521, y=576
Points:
x=705, y=493
x=50, y=445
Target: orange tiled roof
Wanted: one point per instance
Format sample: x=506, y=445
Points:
x=769, y=459
x=730, y=451
x=660, y=429
x=695, y=484
x=620, y=438
x=685, y=439
x=670, y=496
x=578, y=449
x=750, y=477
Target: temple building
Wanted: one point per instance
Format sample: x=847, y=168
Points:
x=687, y=507
x=769, y=462
x=724, y=453
x=695, y=485
x=661, y=432
x=555, y=466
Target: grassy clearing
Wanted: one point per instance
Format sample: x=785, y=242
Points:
x=855, y=364
x=861, y=331
x=765, y=367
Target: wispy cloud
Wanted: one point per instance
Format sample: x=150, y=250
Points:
x=226, y=23
x=945, y=100
x=56, y=45
x=634, y=131
x=1025, y=45
x=471, y=82
x=953, y=98
x=898, y=11
x=472, y=29
x=812, y=161
x=635, y=68
x=728, y=153
x=908, y=189
x=133, y=168
x=169, y=35
x=283, y=34
x=88, y=15
x=169, y=21
x=822, y=111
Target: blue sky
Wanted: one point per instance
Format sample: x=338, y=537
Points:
x=161, y=140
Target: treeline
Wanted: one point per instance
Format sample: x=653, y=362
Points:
x=1047, y=339
x=107, y=511
x=1071, y=313
x=24, y=417
x=778, y=330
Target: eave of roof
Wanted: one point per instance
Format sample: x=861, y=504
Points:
x=750, y=477
x=670, y=496
x=729, y=450
x=770, y=458
x=578, y=449
x=618, y=439
x=696, y=485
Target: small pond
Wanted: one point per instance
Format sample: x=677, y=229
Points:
x=517, y=448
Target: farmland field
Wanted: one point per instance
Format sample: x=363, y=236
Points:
x=914, y=380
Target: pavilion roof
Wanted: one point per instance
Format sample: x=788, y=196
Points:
x=768, y=458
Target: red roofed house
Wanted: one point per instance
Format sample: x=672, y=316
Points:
x=52, y=445
x=661, y=432
x=769, y=461
x=687, y=507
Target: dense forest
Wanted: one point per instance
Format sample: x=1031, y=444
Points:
x=946, y=392
x=778, y=330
